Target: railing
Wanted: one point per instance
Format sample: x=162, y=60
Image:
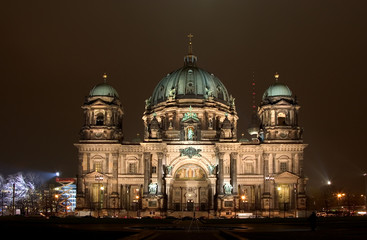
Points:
x=190, y=207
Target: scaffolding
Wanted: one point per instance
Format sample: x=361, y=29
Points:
x=64, y=195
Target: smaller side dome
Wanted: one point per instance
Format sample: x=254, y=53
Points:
x=103, y=89
x=277, y=90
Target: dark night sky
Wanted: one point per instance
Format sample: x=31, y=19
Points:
x=53, y=52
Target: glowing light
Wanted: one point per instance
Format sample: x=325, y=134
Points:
x=137, y=197
x=340, y=195
x=329, y=182
x=276, y=75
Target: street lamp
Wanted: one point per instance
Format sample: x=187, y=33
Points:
x=243, y=197
x=137, y=197
x=99, y=178
x=100, y=199
x=270, y=178
x=339, y=196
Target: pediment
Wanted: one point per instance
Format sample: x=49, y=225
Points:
x=190, y=116
x=190, y=120
x=98, y=102
x=286, y=177
x=283, y=102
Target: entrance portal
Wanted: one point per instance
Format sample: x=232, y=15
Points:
x=190, y=189
x=190, y=205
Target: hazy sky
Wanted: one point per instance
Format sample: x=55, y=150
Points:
x=53, y=52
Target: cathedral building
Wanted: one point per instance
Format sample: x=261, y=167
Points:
x=191, y=159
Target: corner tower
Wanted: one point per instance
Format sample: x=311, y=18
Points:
x=278, y=113
x=98, y=148
x=102, y=114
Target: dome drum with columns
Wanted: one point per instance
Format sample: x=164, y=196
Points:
x=190, y=158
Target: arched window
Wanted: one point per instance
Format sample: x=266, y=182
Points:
x=248, y=166
x=281, y=119
x=100, y=119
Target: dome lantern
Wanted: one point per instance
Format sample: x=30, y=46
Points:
x=190, y=59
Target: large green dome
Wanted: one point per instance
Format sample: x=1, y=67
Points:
x=190, y=82
x=103, y=89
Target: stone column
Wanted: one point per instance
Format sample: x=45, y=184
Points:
x=80, y=187
x=211, y=194
x=123, y=196
x=147, y=170
x=168, y=193
x=159, y=173
x=115, y=172
x=220, y=174
x=123, y=164
x=88, y=163
x=233, y=172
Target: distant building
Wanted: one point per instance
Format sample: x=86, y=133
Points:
x=191, y=158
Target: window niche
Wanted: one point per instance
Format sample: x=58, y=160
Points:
x=281, y=117
x=100, y=119
x=283, y=166
x=132, y=167
x=98, y=166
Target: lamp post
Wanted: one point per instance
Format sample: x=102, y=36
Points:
x=340, y=196
x=327, y=197
x=99, y=179
x=269, y=178
x=137, y=197
x=365, y=189
x=243, y=197
x=100, y=199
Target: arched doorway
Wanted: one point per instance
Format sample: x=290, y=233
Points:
x=190, y=188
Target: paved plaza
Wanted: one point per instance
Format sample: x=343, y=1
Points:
x=91, y=228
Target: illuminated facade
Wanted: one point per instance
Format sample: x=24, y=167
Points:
x=190, y=158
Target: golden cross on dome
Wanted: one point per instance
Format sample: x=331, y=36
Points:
x=190, y=36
